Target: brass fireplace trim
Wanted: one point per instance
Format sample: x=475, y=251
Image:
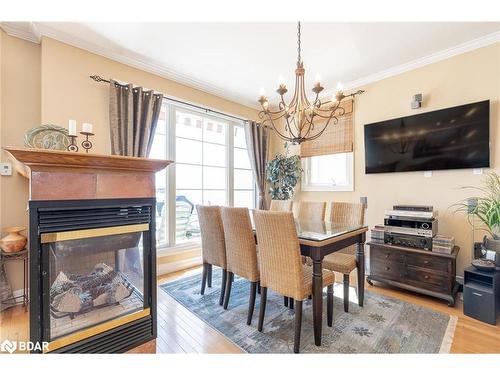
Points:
x=92, y=331
x=95, y=232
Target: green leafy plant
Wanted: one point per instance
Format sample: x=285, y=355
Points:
x=487, y=208
x=283, y=174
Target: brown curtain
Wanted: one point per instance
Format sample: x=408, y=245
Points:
x=133, y=115
x=257, y=138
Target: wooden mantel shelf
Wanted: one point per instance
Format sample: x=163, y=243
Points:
x=52, y=158
x=72, y=175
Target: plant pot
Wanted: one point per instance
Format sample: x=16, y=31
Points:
x=14, y=240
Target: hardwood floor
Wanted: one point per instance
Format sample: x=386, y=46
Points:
x=179, y=331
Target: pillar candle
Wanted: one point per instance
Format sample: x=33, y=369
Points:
x=86, y=127
x=72, y=127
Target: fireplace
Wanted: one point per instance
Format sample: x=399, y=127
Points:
x=92, y=274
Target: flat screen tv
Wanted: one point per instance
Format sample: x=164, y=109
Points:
x=450, y=138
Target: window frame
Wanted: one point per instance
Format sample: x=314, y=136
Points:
x=170, y=244
x=307, y=185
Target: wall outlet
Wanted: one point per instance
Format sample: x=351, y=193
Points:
x=428, y=174
x=477, y=171
x=6, y=169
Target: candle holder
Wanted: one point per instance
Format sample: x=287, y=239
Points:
x=73, y=147
x=86, y=144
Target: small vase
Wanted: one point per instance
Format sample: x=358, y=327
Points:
x=14, y=240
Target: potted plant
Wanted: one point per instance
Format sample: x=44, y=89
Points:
x=283, y=174
x=486, y=208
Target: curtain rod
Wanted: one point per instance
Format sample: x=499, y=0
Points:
x=98, y=78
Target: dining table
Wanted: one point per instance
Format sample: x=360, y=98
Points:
x=318, y=239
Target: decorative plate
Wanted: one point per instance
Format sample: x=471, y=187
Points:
x=48, y=137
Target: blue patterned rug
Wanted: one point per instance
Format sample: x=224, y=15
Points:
x=383, y=325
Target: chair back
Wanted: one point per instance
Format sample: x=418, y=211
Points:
x=347, y=213
x=280, y=263
x=213, y=246
x=312, y=211
x=277, y=205
x=241, y=251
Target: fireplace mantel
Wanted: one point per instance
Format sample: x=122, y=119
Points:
x=56, y=175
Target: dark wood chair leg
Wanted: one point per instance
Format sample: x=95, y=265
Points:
x=298, y=327
x=310, y=297
x=223, y=286
x=258, y=287
x=360, y=260
x=229, y=283
x=262, y=312
x=285, y=300
x=290, y=303
x=204, y=278
x=251, y=302
x=209, y=274
x=329, y=305
x=346, y=293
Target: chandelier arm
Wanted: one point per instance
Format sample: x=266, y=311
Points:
x=281, y=135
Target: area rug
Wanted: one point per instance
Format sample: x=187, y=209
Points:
x=383, y=325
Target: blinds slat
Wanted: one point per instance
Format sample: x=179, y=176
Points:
x=337, y=138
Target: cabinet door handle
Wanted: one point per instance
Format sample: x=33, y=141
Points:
x=477, y=294
x=426, y=277
x=426, y=262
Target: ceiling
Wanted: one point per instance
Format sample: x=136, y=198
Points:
x=236, y=60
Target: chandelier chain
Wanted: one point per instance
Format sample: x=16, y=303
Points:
x=298, y=42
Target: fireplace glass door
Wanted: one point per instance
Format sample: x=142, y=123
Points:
x=94, y=276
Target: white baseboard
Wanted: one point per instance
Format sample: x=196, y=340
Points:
x=179, y=265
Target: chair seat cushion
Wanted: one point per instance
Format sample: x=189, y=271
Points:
x=340, y=262
x=328, y=279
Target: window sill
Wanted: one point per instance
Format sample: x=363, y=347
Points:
x=162, y=251
x=326, y=188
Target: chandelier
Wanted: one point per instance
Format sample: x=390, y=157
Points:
x=303, y=120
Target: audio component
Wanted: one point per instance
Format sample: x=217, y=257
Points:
x=419, y=242
x=402, y=207
x=414, y=226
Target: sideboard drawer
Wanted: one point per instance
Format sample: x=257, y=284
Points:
x=420, y=277
x=390, y=270
x=386, y=255
x=429, y=262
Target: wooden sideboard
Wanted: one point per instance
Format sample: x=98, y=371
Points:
x=417, y=270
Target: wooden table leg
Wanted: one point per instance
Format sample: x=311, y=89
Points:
x=317, y=296
x=360, y=258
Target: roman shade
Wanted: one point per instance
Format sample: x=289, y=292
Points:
x=337, y=138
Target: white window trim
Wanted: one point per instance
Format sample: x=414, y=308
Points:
x=170, y=246
x=306, y=185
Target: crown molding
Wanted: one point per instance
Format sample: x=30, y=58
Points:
x=459, y=49
x=22, y=30
x=33, y=32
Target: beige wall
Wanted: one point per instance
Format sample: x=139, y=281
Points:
x=462, y=79
x=49, y=84
x=69, y=93
x=20, y=103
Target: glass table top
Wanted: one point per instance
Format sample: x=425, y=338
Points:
x=323, y=230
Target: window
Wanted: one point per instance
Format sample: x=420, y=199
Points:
x=211, y=168
x=328, y=172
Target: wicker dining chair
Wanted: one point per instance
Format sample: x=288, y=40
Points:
x=344, y=261
x=241, y=252
x=213, y=246
x=277, y=205
x=312, y=211
x=281, y=268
